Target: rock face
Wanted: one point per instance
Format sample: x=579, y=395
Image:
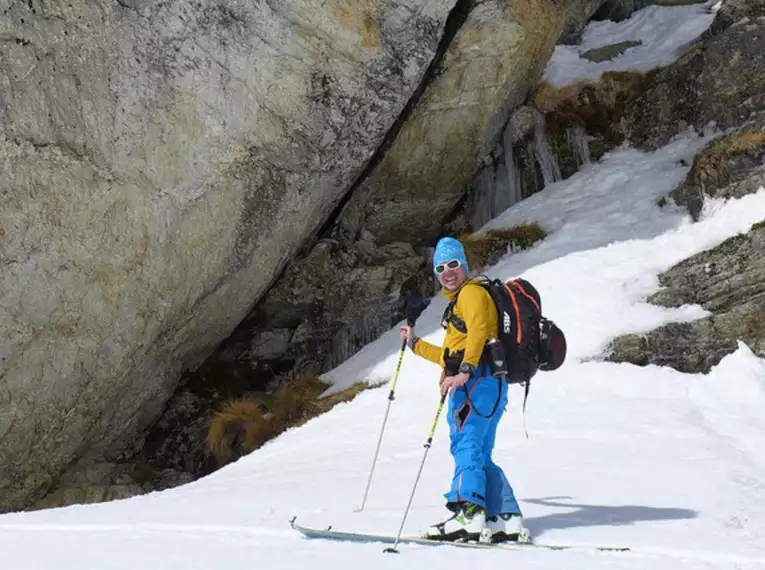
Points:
x=579, y=13
x=733, y=11
x=720, y=80
x=729, y=281
x=490, y=66
x=161, y=162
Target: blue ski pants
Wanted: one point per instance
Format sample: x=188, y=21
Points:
x=477, y=478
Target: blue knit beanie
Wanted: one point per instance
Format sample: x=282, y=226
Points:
x=447, y=249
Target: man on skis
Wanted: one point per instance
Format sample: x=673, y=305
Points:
x=480, y=497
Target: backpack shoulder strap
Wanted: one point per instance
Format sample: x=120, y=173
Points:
x=450, y=317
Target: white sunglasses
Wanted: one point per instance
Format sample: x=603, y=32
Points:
x=453, y=264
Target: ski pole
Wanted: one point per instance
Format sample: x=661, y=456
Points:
x=414, y=305
x=391, y=397
x=417, y=480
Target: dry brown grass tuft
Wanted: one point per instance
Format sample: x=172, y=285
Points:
x=711, y=166
x=612, y=90
x=346, y=395
x=597, y=107
x=484, y=250
x=238, y=428
x=738, y=144
x=244, y=425
x=296, y=401
x=548, y=98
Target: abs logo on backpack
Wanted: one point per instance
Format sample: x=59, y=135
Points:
x=507, y=325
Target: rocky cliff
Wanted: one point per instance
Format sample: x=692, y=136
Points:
x=160, y=163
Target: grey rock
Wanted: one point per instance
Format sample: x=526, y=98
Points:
x=720, y=279
x=84, y=495
x=731, y=167
x=578, y=14
x=733, y=11
x=719, y=81
x=271, y=344
x=729, y=281
x=610, y=51
x=161, y=162
x=458, y=121
x=618, y=10
x=694, y=347
x=521, y=124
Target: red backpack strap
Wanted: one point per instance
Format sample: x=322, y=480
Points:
x=522, y=290
x=508, y=286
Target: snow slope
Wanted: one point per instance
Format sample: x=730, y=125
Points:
x=669, y=464
x=664, y=32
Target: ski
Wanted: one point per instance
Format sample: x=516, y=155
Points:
x=345, y=536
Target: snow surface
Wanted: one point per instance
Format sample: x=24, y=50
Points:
x=665, y=31
x=666, y=463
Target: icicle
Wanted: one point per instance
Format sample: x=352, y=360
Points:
x=578, y=142
x=548, y=164
x=514, y=183
x=501, y=200
x=484, y=190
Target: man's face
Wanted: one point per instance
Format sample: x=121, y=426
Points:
x=451, y=274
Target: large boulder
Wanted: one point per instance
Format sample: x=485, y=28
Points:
x=160, y=163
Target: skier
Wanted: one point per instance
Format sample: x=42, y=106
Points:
x=480, y=497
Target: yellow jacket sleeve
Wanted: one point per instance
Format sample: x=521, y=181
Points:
x=429, y=351
x=476, y=308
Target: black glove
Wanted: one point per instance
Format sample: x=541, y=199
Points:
x=414, y=305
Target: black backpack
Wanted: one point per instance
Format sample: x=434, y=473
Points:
x=531, y=342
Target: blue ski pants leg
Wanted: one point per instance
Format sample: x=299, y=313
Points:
x=477, y=478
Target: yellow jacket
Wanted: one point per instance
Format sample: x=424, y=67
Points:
x=477, y=309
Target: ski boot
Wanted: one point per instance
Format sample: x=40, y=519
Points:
x=466, y=524
x=505, y=527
